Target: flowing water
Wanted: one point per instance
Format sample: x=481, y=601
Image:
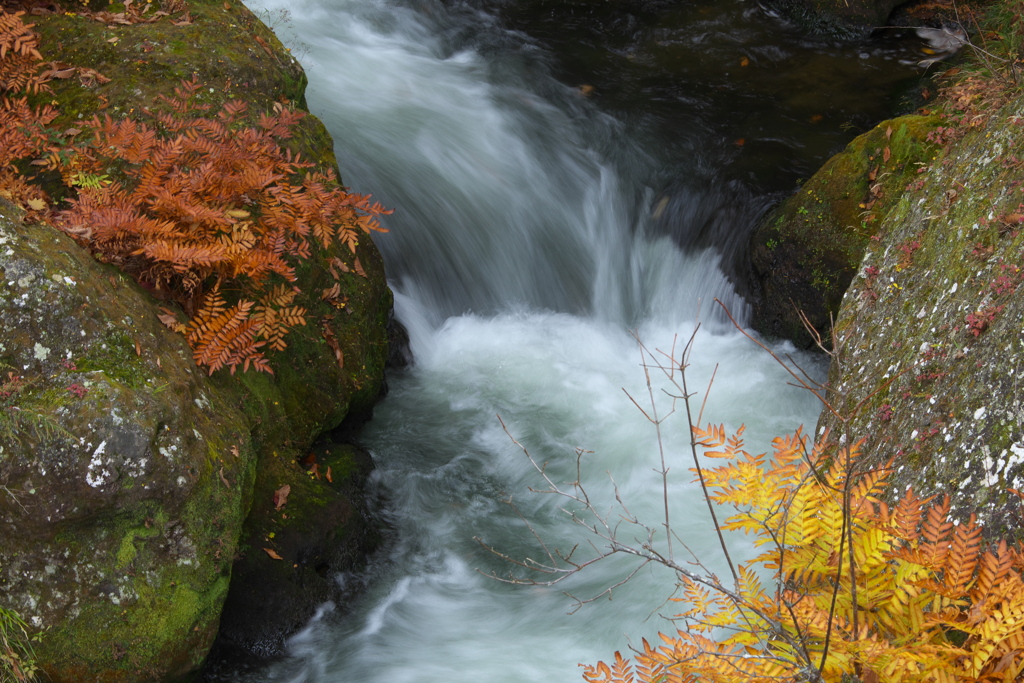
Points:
x=539, y=225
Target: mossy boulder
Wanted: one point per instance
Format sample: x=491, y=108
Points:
x=929, y=348
x=126, y=473
x=313, y=528
x=125, y=476
x=806, y=252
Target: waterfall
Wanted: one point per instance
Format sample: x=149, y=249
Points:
x=525, y=253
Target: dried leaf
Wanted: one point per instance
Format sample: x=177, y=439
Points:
x=744, y=62
x=91, y=77
x=272, y=554
x=332, y=342
x=359, y=269
x=888, y=132
x=315, y=470
x=234, y=451
x=138, y=348
x=339, y=264
x=60, y=73
x=328, y=475
x=170, y=320
x=886, y=155
x=36, y=204
x=262, y=43
x=223, y=479
x=281, y=496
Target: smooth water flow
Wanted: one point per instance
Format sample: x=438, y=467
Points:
x=523, y=251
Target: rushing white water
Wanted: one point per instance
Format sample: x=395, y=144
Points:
x=522, y=257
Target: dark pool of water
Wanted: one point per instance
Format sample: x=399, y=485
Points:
x=735, y=101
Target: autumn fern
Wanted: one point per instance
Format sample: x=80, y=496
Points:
x=24, y=135
x=860, y=589
x=193, y=202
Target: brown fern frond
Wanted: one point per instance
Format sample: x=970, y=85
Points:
x=935, y=532
x=962, y=557
x=995, y=567
x=222, y=336
x=19, y=56
x=200, y=198
x=182, y=257
x=908, y=514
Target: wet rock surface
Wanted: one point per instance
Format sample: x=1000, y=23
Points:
x=928, y=339
x=130, y=481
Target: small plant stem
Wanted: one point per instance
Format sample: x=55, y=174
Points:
x=696, y=459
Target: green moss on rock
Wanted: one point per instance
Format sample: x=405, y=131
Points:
x=127, y=496
x=929, y=345
x=309, y=524
x=805, y=253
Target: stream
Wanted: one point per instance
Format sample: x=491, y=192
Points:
x=568, y=177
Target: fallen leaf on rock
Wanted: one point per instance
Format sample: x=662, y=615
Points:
x=224, y=479
x=328, y=475
x=272, y=554
x=167, y=317
x=332, y=342
x=262, y=43
x=315, y=470
x=59, y=71
x=339, y=264
x=886, y=154
x=281, y=496
x=90, y=77
x=744, y=62
x=36, y=204
x=359, y=269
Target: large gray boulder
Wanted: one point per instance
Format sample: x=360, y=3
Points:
x=929, y=350
x=125, y=475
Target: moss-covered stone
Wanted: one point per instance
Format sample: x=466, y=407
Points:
x=929, y=345
x=805, y=253
x=320, y=531
x=124, y=481
x=125, y=473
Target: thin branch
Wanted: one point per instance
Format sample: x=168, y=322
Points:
x=800, y=382
x=696, y=458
